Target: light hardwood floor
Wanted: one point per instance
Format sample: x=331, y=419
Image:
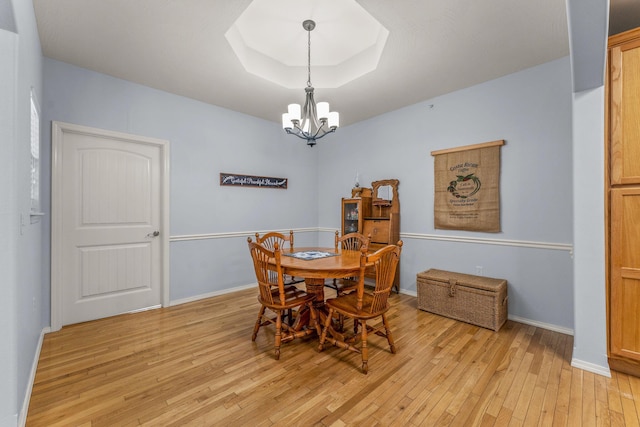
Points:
x=195, y=364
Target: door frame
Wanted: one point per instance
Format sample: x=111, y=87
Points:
x=58, y=129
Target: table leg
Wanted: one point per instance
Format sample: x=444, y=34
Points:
x=315, y=287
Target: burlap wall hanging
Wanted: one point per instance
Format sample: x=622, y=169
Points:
x=467, y=187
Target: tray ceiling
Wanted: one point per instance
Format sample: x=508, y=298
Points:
x=433, y=47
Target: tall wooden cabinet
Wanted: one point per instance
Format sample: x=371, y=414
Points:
x=377, y=213
x=623, y=201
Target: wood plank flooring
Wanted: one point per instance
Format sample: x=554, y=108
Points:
x=194, y=364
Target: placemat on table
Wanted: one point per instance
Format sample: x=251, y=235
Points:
x=310, y=255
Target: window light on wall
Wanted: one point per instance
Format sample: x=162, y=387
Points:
x=35, y=212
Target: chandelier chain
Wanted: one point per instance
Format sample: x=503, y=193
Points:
x=308, y=58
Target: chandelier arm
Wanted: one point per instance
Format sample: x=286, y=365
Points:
x=311, y=140
x=299, y=134
x=326, y=132
x=318, y=129
x=310, y=110
x=302, y=132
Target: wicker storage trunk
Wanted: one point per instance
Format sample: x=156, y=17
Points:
x=477, y=300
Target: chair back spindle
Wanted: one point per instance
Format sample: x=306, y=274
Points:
x=268, y=240
x=351, y=241
x=266, y=275
x=385, y=262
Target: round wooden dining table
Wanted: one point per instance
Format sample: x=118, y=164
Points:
x=343, y=263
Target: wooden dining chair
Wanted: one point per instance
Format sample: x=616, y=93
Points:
x=277, y=297
x=352, y=242
x=268, y=240
x=362, y=306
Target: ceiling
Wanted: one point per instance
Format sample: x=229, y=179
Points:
x=623, y=15
x=433, y=47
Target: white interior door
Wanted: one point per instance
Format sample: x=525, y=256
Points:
x=109, y=223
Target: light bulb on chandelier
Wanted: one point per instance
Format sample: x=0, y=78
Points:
x=312, y=122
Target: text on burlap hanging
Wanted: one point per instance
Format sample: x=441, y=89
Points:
x=467, y=187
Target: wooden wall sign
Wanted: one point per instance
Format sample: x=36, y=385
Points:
x=252, y=181
x=467, y=187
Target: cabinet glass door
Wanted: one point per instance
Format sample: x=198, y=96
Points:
x=350, y=217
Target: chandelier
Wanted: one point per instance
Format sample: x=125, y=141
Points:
x=313, y=121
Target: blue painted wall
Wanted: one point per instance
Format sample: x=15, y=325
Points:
x=531, y=111
x=205, y=140
x=23, y=275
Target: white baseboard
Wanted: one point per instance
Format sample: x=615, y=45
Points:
x=591, y=367
x=410, y=293
x=22, y=420
x=518, y=319
x=212, y=294
x=549, y=326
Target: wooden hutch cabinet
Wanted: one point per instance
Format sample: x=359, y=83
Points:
x=623, y=201
x=377, y=213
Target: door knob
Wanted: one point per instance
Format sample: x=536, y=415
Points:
x=154, y=234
